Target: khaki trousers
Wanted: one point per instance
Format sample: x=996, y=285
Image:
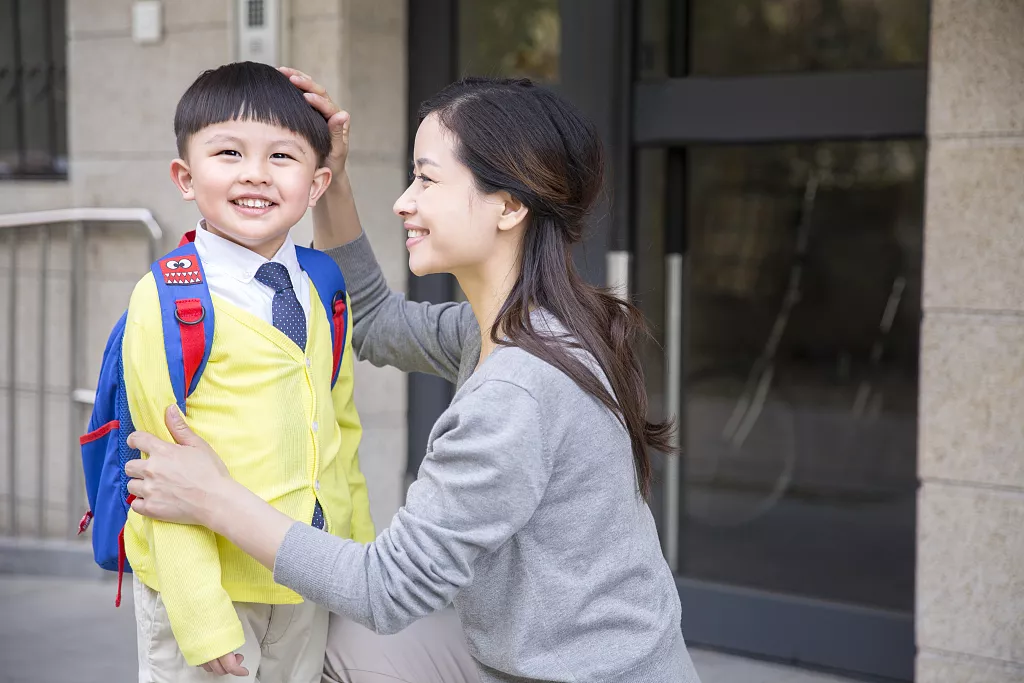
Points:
x=283, y=643
x=431, y=650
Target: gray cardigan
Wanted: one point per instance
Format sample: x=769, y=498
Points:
x=525, y=514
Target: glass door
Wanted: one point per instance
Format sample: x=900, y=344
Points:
x=777, y=247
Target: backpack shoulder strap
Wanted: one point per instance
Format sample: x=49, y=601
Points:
x=330, y=286
x=186, y=310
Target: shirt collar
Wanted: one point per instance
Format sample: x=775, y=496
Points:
x=240, y=262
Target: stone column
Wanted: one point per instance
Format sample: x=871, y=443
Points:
x=970, y=575
x=357, y=49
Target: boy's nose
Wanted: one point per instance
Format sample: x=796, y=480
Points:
x=255, y=174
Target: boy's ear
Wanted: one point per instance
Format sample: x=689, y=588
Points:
x=321, y=179
x=181, y=174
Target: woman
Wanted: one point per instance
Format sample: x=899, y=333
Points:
x=529, y=511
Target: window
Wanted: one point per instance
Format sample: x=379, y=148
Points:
x=33, y=89
x=740, y=37
x=255, y=13
x=804, y=302
x=510, y=38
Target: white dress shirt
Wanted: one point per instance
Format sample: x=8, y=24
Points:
x=231, y=271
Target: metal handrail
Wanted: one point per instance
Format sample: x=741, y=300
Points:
x=77, y=396
x=84, y=215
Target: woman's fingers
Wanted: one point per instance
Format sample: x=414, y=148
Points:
x=179, y=429
x=323, y=104
x=141, y=506
x=135, y=468
x=303, y=81
x=146, y=442
x=135, y=485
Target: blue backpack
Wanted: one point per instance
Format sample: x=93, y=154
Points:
x=187, y=313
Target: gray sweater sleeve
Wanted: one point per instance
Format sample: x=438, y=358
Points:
x=390, y=330
x=481, y=482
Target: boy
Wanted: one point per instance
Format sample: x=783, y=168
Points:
x=252, y=154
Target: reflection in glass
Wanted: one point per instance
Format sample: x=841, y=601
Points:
x=733, y=37
x=512, y=38
x=800, y=366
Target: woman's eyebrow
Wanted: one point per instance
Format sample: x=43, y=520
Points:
x=424, y=161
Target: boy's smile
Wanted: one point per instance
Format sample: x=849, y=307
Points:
x=253, y=205
x=252, y=181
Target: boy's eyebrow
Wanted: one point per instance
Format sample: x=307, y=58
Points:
x=289, y=143
x=221, y=137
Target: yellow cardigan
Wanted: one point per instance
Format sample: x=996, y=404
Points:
x=268, y=410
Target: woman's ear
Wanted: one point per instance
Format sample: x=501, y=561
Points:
x=513, y=212
x=321, y=179
x=181, y=174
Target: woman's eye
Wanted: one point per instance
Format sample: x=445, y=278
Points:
x=423, y=178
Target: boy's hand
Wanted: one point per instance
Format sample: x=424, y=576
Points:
x=337, y=119
x=230, y=663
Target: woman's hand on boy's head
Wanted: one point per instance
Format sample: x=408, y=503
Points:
x=337, y=119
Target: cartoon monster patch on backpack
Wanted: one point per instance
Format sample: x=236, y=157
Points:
x=187, y=313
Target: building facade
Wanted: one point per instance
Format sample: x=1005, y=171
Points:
x=817, y=203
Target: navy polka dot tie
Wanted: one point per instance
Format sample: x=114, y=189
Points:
x=288, y=314
x=290, y=319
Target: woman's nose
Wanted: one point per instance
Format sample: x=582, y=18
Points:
x=405, y=205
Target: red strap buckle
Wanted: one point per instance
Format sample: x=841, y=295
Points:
x=190, y=315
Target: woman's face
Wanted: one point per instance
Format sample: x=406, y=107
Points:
x=451, y=226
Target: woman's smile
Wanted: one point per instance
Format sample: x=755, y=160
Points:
x=416, y=235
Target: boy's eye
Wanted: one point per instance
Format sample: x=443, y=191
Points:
x=281, y=155
x=229, y=152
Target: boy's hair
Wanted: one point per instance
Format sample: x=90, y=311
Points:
x=249, y=91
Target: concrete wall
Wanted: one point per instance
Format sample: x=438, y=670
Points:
x=121, y=104
x=970, y=577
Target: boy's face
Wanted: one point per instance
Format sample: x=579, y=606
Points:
x=252, y=181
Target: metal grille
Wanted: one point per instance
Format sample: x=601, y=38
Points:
x=33, y=89
x=256, y=13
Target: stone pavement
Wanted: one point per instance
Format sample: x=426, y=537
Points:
x=59, y=629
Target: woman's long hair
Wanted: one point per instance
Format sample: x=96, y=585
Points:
x=525, y=140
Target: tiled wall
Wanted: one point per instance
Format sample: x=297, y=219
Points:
x=970, y=578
